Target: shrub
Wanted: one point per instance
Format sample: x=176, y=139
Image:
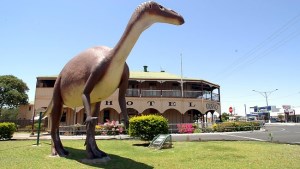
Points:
x=99, y=129
x=198, y=130
x=36, y=127
x=7, y=130
x=236, y=126
x=147, y=127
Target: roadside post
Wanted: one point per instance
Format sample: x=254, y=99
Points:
x=39, y=129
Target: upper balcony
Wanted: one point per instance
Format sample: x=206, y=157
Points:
x=166, y=85
x=173, y=94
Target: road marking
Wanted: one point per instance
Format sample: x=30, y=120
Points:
x=275, y=131
x=250, y=138
x=295, y=142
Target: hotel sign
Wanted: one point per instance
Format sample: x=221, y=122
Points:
x=152, y=103
x=211, y=106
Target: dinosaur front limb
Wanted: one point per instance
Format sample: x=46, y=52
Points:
x=122, y=92
x=87, y=107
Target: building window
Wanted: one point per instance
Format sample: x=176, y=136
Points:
x=175, y=84
x=45, y=83
x=196, y=87
x=29, y=108
x=152, y=84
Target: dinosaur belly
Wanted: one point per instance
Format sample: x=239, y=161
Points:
x=107, y=86
x=102, y=90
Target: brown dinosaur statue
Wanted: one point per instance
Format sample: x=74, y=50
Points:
x=97, y=72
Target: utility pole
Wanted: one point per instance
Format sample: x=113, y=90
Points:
x=245, y=112
x=181, y=76
x=266, y=95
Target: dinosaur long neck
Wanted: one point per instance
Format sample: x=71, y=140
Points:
x=130, y=36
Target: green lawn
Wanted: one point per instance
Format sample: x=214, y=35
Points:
x=126, y=154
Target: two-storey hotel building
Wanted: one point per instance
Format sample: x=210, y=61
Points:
x=180, y=100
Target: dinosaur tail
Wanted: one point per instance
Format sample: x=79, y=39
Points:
x=49, y=109
x=50, y=106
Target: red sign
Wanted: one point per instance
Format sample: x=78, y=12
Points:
x=230, y=109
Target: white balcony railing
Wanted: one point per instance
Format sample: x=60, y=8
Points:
x=151, y=93
x=193, y=94
x=172, y=93
x=133, y=93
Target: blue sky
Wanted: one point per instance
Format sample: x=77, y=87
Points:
x=240, y=45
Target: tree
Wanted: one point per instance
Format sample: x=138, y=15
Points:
x=225, y=116
x=9, y=114
x=280, y=117
x=12, y=92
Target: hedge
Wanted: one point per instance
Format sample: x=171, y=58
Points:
x=36, y=127
x=147, y=127
x=7, y=130
x=236, y=126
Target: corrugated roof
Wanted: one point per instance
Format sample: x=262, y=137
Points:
x=139, y=75
x=153, y=75
x=144, y=75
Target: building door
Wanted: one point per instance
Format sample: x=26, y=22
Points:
x=106, y=116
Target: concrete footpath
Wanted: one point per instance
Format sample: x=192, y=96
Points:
x=46, y=136
x=282, y=132
x=175, y=137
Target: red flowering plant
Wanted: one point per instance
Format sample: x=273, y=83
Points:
x=185, y=128
x=113, y=127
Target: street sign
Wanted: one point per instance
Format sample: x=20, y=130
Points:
x=286, y=107
x=230, y=109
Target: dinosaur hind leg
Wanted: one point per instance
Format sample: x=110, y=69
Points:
x=56, y=145
x=91, y=146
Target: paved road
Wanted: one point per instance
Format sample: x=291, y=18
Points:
x=278, y=132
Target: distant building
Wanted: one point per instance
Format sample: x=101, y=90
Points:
x=262, y=113
x=26, y=111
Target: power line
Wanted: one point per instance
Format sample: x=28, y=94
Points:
x=276, y=46
x=234, y=99
x=243, y=96
x=247, y=58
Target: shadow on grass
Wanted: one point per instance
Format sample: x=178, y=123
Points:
x=142, y=144
x=115, y=162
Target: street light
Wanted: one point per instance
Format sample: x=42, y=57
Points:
x=266, y=95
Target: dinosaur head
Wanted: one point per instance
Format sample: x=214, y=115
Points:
x=152, y=12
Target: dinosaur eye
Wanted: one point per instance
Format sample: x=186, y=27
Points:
x=161, y=7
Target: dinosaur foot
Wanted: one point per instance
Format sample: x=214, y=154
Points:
x=94, y=152
x=96, y=156
x=59, y=151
